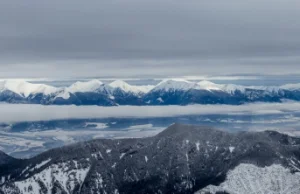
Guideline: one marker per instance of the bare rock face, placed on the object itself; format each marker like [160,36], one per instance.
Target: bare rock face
[181,159]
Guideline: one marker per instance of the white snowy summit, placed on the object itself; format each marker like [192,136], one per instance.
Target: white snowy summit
[291,86]
[184,85]
[174,84]
[26,89]
[89,86]
[207,85]
[120,84]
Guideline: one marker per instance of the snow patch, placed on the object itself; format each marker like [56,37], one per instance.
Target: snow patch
[60,173]
[98,125]
[146,126]
[231,149]
[160,100]
[63,94]
[198,146]
[122,155]
[40,165]
[108,151]
[248,178]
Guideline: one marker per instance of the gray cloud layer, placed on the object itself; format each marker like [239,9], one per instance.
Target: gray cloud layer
[98,38]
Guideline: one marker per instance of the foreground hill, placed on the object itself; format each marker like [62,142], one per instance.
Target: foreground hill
[181,159]
[167,92]
[4,158]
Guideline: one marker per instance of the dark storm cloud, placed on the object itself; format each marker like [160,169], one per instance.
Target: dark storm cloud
[97,38]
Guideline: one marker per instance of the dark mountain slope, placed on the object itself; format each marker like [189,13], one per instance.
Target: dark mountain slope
[181,159]
[4,158]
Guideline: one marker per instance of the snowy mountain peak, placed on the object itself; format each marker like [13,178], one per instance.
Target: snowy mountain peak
[121,85]
[129,88]
[207,85]
[291,86]
[89,86]
[174,84]
[167,92]
[231,88]
[26,89]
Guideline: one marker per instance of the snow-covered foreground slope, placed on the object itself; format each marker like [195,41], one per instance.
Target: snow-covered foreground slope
[248,178]
[56,178]
[180,159]
[167,92]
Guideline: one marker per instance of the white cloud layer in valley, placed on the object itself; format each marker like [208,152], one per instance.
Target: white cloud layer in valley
[28,112]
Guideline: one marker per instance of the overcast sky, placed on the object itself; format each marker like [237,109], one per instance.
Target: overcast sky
[135,38]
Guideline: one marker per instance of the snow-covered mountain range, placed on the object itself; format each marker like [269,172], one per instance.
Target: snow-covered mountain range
[180,159]
[167,92]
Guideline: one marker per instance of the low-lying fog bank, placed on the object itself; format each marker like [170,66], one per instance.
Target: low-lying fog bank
[31,112]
